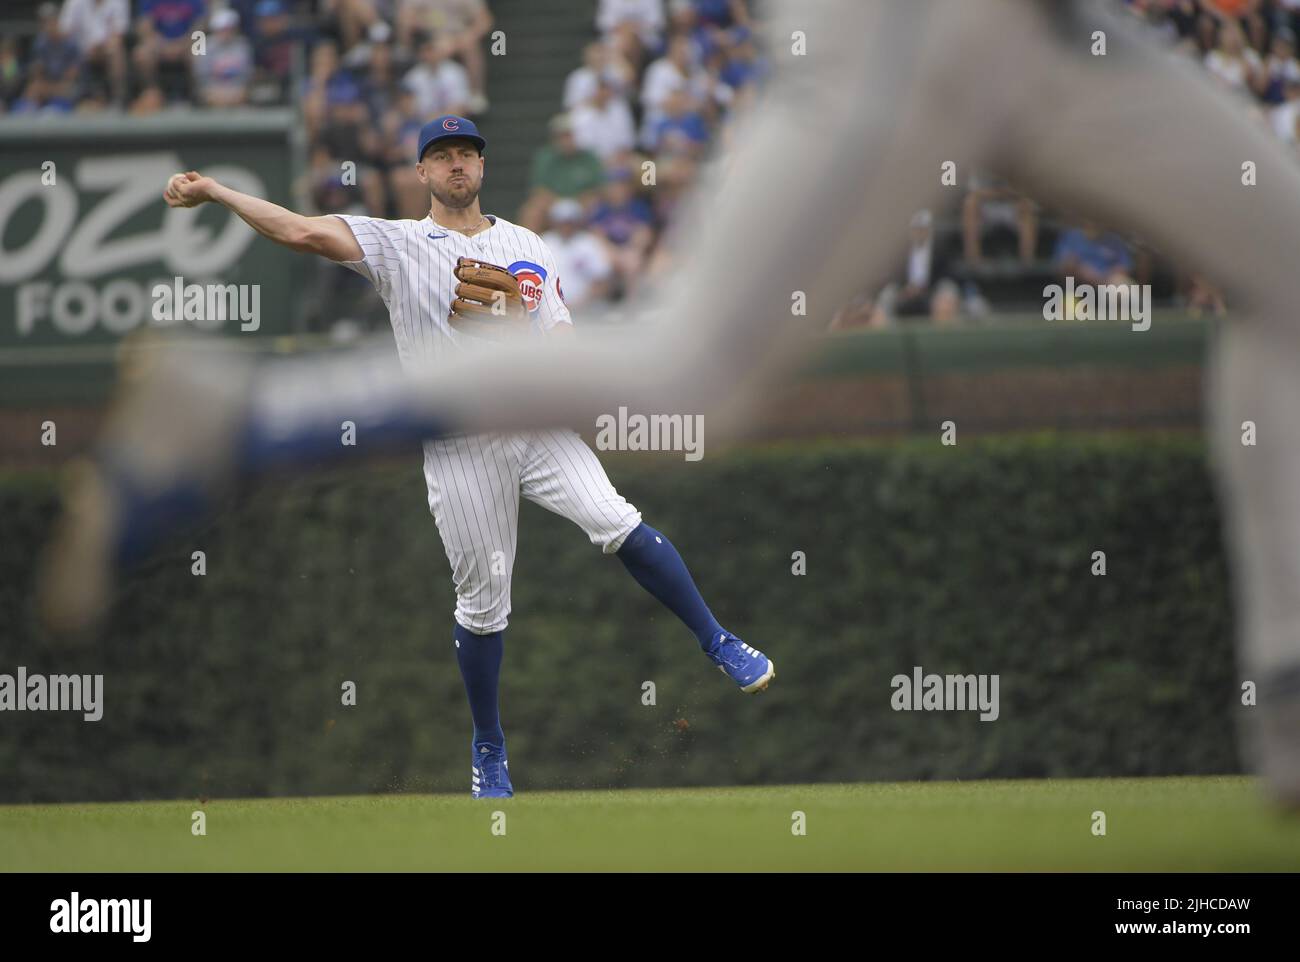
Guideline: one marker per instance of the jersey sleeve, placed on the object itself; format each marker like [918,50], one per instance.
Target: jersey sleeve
[552,310]
[379,255]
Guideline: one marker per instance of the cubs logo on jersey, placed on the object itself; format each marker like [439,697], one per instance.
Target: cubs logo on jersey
[531,278]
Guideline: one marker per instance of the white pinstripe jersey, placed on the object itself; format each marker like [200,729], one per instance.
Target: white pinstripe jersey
[475,481]
[410,262]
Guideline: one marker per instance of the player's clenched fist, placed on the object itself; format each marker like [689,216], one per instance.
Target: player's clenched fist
[188,190]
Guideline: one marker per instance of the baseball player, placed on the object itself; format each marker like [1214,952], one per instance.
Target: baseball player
[447,281]
[855,133]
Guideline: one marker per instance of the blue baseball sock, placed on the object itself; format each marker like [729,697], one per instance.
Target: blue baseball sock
[658,568]
[479,657]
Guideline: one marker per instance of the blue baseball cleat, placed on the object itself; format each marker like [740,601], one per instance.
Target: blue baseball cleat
[490,773]
[748,667]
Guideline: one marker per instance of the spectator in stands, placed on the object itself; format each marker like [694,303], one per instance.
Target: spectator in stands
[604,124]
[675,72]
[560,169]
[339,300]
[712,25]
[580,85]
[53,69]
[722,14]
[1278,79]
[350,142]
[325,72]
[633,27]
[11,72]
[681,128]
[1257,33]
[675,173]
[401,126]
[743,67]
[163,41]
[581,261]
[441,84]
[464,26]
[990,204]
[330,191]
[247,10]
[626,223]
[225,71]
[598,60]
[925,288]
[1232,61]
[380,85]
[355,17]
[684,22]
[378,34]
[98,27]
[273,47]
[1203,38]
[1093,257]
[1277,83]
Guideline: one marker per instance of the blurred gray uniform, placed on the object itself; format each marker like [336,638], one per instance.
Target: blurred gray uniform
[474,480]
[853,142]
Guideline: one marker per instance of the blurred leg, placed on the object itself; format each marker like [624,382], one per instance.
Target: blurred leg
[1254,385]
[1147,139]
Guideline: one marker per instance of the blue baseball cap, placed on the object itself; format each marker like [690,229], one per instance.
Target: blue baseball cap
[445,128]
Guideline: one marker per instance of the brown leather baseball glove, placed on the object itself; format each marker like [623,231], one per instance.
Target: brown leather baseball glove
[488,303]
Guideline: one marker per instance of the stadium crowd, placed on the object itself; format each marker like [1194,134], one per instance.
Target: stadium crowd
[654,93]
[1000,246]
[654,90]
[141,55]
[652,97]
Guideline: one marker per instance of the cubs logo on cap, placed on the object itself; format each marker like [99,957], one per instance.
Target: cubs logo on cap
[446,127]
[531,278]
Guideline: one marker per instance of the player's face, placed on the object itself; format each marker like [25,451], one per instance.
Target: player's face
[453,172]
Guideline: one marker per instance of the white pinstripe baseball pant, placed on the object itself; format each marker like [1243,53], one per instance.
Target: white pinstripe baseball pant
[474,486]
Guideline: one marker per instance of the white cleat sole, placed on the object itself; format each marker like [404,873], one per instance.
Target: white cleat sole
[761,684]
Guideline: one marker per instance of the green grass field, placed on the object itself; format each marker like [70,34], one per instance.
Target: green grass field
[1154,824]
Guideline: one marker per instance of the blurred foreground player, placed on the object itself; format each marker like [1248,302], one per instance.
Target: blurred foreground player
[854,134]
